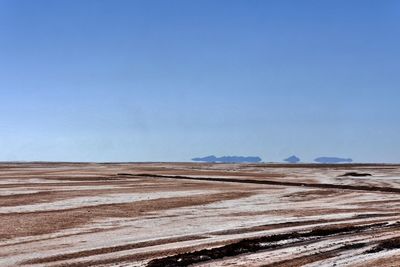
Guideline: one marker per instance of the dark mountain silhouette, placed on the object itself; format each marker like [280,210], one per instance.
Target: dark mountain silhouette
[292,159]
[332,160]
[229,159]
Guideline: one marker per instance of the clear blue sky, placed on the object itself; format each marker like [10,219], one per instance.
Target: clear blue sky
[171,80]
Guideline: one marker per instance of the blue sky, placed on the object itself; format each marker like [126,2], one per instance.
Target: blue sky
[171,80]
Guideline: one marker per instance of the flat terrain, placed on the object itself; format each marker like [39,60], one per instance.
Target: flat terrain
[179,214]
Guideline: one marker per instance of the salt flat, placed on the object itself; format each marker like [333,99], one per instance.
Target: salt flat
[179,214]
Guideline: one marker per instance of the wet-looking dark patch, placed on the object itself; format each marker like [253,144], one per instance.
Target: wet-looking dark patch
[388,244]
[355,174]
[259,243]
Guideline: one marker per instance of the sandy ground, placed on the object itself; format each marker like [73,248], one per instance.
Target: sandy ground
[180,214]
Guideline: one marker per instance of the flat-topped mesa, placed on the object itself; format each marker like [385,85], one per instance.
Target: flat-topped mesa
[229,159]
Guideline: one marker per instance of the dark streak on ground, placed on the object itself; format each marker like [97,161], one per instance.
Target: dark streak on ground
[269,182]
[355,174]
[302,260]
[261,243]
[388,244]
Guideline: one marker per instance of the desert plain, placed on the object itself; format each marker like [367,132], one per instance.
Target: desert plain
[198,214]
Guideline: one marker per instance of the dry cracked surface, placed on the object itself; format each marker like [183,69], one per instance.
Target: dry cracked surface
[191,214]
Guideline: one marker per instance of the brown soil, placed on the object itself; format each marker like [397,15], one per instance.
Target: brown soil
[36,223]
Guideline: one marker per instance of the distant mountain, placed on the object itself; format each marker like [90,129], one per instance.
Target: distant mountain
[292,159]
[332,160]
[229,159]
